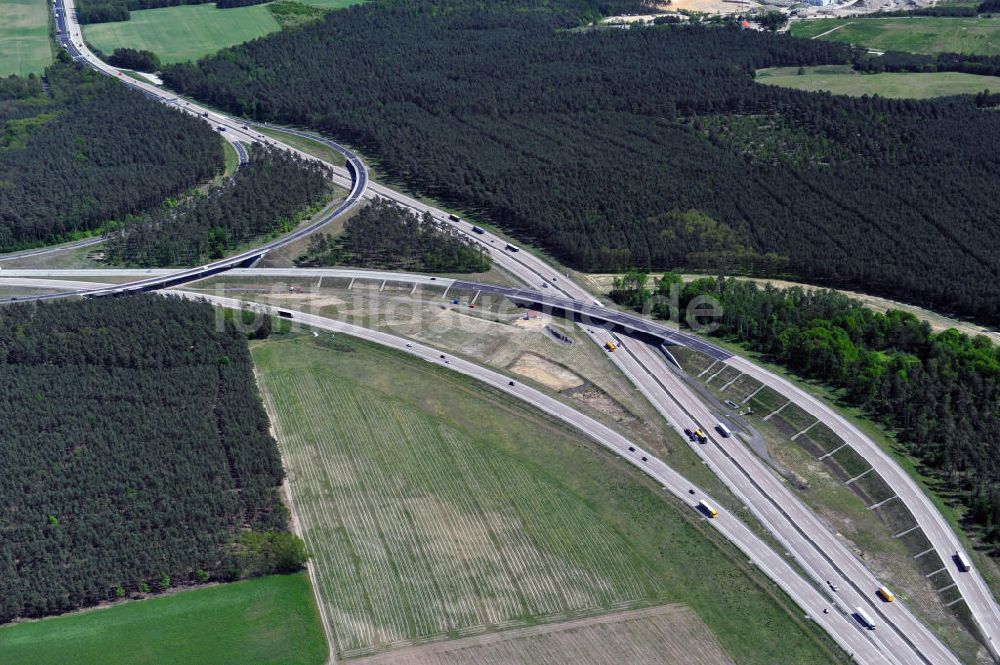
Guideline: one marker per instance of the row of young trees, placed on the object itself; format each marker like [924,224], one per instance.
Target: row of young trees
[582,141]
[268,195]
[130,58]
[939,392]
[901,61]
[91,152]
[136,454]
[109,11]
[227,4]
[386,236]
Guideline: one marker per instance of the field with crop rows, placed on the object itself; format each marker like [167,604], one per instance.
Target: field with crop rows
[431,533]
[435,509]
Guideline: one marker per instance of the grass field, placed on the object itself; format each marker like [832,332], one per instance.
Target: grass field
[185,32]
[24,37]
[842,80]
[265,621]
[435,509]
[189,32]
[919,34]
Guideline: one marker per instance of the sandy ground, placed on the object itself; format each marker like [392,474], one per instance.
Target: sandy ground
[546,372]
[710,6]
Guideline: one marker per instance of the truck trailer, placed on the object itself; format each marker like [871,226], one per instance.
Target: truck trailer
[963,562]
[863,617]
[707,509]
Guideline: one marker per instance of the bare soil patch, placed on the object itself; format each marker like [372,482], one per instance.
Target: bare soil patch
[668,635]
[546,372]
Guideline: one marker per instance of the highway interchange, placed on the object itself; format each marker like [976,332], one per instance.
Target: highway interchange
[900,637]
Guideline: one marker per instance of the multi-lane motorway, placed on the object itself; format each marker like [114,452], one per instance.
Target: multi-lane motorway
[814,546]
[901,638]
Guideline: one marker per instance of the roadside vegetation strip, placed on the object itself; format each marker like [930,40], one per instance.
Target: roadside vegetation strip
[659,540]
[842,80]
[919,34]
[184,32]
[306,145]
[24,37]
[264,621]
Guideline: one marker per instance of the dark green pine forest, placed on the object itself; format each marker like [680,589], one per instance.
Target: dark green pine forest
[386,236]
[598,144]
[136,452]
[83,150]
[268,195]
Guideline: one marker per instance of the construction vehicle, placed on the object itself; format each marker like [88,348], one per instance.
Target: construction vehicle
[863,617]
[885,594]
[610,346]
[963,562]
[707,509]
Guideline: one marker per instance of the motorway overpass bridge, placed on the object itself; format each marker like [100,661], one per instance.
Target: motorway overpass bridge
[597,315]
[582,312]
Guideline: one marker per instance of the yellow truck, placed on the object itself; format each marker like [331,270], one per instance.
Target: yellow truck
[885,594]
[610,346]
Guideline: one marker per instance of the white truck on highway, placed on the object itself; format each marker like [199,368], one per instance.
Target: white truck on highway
[723,430]
[963,562]
[863,617]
